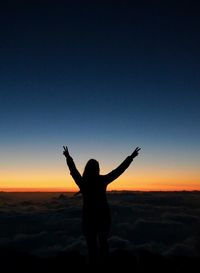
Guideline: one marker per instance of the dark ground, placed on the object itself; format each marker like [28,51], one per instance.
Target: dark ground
[18,262]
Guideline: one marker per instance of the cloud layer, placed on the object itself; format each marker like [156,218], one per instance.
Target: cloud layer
[44,224]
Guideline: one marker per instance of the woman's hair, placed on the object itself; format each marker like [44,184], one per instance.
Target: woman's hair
[91,168]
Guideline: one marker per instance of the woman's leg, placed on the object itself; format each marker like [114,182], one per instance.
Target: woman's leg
[91,239]
[103,246]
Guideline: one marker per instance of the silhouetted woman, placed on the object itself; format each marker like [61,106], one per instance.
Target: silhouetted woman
[96,219]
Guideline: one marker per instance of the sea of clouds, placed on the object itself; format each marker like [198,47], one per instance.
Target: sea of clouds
[166,223]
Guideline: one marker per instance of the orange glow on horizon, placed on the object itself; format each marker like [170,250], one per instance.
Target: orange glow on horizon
[115,186]
[37,190]
[154,189]
[135,179]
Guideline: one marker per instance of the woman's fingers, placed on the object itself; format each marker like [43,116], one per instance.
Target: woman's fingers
[137,149]
[65,148]
[135,152]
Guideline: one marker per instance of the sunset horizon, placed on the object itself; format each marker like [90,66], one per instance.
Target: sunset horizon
[74,189]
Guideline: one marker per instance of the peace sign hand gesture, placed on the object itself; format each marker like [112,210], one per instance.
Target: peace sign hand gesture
[65,152]
[135,152]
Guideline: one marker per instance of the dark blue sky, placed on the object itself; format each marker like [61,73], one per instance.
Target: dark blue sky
[98,75]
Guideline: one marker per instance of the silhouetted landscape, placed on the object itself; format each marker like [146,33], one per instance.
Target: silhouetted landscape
[151,231]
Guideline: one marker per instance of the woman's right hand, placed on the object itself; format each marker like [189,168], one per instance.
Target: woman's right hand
[135,152]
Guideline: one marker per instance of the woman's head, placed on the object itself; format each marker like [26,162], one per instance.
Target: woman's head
[91,168]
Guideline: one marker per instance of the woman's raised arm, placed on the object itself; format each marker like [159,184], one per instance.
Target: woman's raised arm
[72,167]
[114,174]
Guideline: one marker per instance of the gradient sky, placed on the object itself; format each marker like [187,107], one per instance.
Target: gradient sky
[101,78]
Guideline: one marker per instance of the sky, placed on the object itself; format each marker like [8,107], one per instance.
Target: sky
[101,78]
